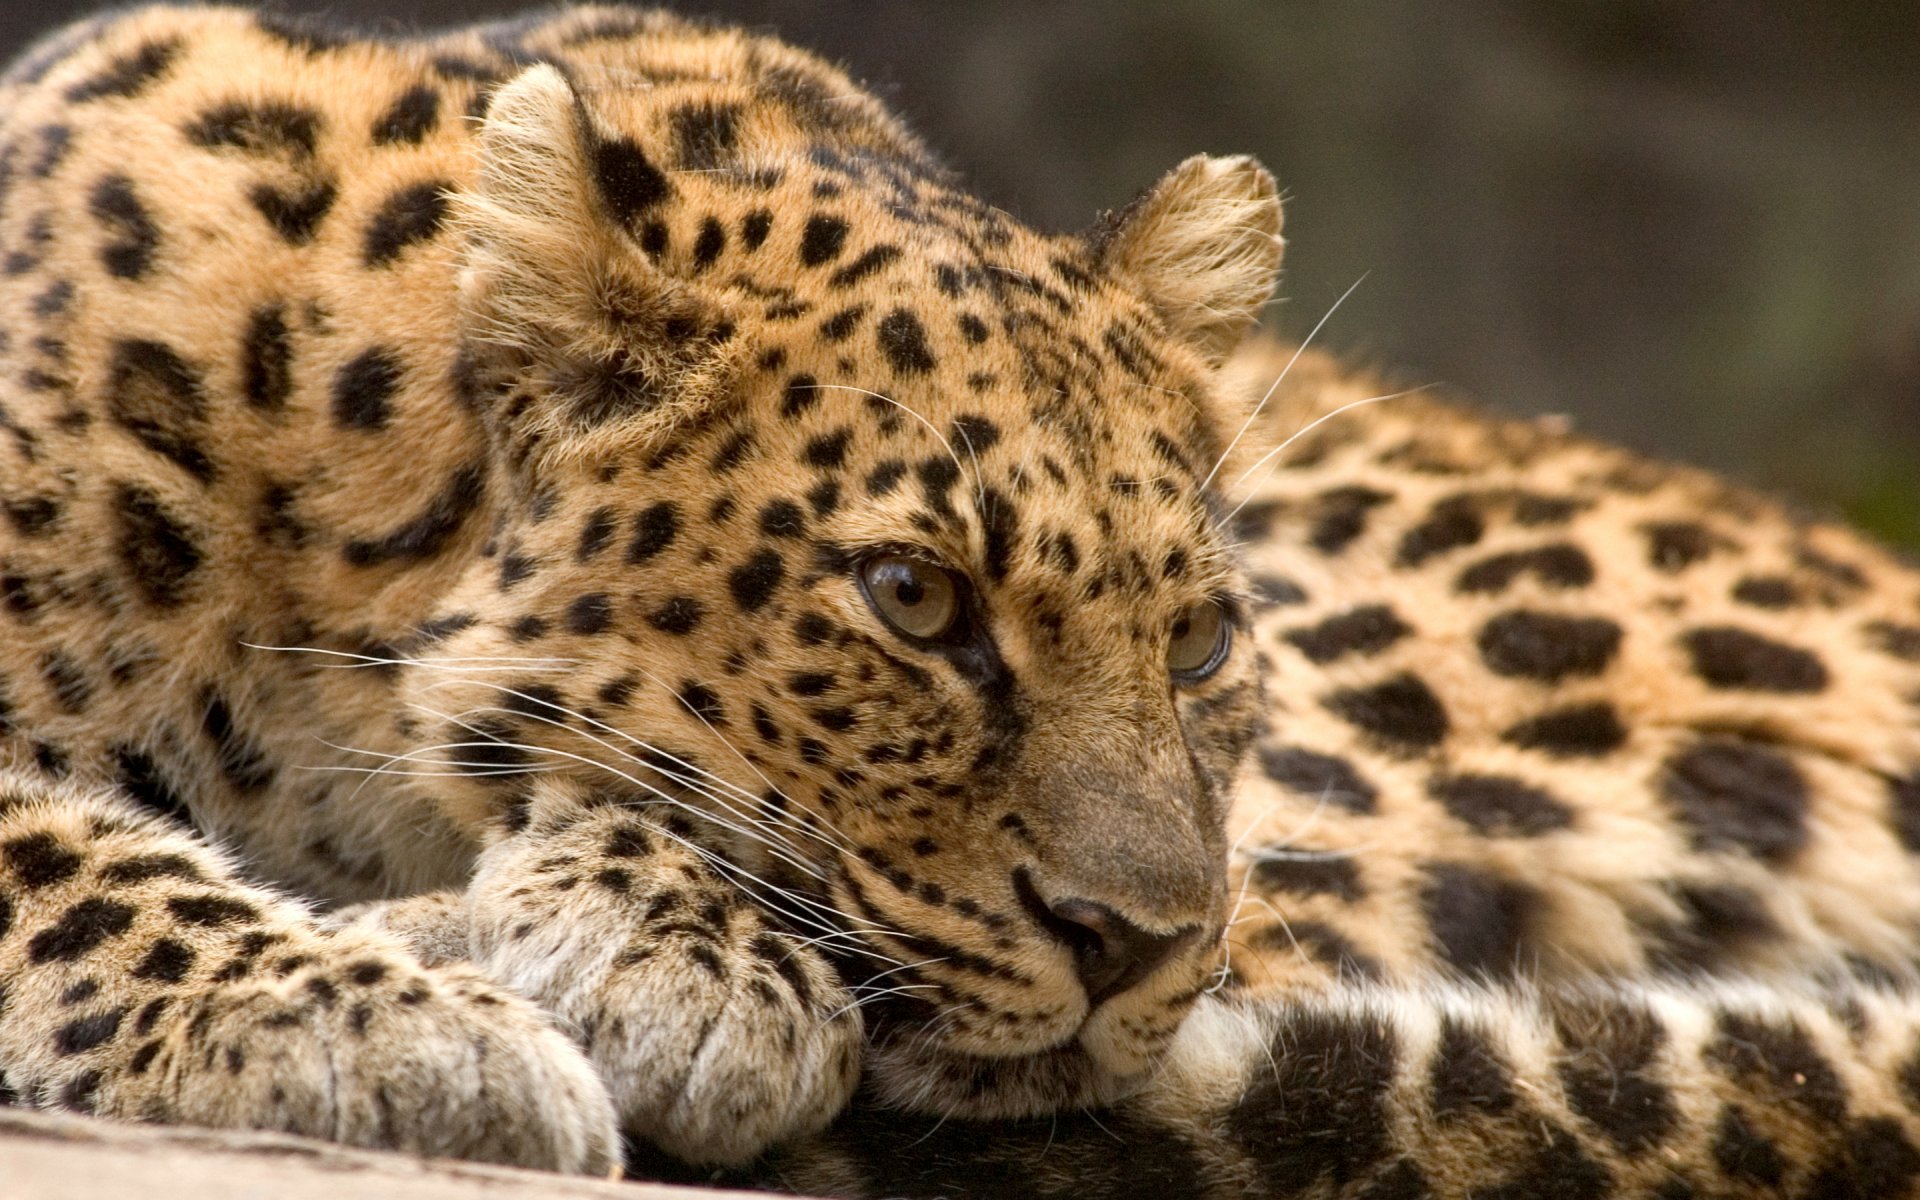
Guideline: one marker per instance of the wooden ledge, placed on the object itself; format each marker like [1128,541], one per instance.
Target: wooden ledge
[59,1156]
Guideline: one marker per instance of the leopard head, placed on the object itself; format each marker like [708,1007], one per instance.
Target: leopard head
[878,543]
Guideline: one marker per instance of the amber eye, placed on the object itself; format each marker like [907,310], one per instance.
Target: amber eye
[917,598]
[1201,636]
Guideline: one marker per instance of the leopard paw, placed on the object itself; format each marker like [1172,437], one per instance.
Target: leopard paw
[368,1049]
[716,1034]
[144,979]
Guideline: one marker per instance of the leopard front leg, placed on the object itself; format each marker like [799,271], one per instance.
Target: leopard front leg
[141,978]
[717,1033]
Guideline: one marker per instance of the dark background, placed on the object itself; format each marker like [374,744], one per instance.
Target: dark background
[1694,226]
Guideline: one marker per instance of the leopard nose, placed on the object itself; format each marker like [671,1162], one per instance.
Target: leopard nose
[1110,953]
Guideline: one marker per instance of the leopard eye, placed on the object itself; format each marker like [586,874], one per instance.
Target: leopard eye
[917,598]
[1199,644]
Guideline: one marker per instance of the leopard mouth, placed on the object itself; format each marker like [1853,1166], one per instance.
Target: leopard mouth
[907,1073]
[1060,1004]
[1021,1064]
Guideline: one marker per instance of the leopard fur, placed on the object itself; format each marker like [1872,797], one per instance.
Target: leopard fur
[444,703]
[1532,920]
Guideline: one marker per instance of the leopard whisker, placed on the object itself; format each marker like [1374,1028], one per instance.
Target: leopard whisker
[778,849]
[359,661]
[1263,902]
[905,966]
[650,748]
[422,753]
[1266,459]
[1281,378]
[941,1122]
[480,769]
[804,941]
[1241,1015]
[1246,881]
[979,485]
[1226,967]
[390,769]
[1275,850]
[715,861]
[875,995]
[755,816]
[1285,927]
[1088,1112]
[737,753]
[1279,854]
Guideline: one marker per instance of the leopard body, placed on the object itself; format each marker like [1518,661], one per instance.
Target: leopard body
[448,703]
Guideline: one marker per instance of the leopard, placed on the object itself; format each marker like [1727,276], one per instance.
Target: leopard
[1574,856]
[573,599]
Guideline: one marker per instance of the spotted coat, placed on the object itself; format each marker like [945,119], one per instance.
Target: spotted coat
[1575,857]
[469,512]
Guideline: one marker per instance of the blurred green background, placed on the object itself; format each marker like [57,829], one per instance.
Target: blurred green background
[1694,227]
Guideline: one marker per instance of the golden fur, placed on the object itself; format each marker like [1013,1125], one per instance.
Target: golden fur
[448,475]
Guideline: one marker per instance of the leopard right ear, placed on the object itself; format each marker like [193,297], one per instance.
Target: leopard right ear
[584,343]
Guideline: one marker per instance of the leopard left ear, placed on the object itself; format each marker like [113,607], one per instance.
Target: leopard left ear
[1204,245]
[582,342]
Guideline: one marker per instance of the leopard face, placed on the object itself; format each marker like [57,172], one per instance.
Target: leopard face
[875,534]
[667,430]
